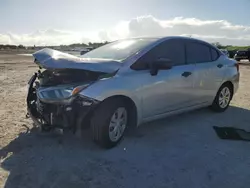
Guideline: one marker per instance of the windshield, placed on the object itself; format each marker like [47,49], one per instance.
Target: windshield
[119,50]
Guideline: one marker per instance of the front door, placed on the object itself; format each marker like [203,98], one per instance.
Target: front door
[170,89]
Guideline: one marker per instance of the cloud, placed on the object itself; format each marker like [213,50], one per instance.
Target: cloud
[4,39]
[41,37]
[210,30]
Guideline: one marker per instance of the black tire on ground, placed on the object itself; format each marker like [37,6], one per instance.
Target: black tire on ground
[237,59]
[215,106]
[101,119]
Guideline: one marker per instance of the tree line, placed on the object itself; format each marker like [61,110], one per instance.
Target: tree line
[98,44]
[75,45]
[9,46]
[230,47]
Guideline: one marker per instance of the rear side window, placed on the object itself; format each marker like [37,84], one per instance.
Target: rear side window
[214,54]
[197,53]
[173,49]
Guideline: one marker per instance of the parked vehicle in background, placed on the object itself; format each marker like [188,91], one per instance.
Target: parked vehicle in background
[242,54]
[232,53]
[224,51]
[128,82]
[85,50]
[82,52]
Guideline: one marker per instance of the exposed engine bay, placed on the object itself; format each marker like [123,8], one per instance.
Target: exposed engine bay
[66,76]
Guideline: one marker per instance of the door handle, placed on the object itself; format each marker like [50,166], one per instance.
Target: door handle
[219,65]
[186,74]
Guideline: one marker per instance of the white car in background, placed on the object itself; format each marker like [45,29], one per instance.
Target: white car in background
[224,51]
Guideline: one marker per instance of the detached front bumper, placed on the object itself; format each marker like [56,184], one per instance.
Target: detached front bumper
[47,116]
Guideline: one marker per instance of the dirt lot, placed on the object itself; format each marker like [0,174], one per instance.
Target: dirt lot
[180,151]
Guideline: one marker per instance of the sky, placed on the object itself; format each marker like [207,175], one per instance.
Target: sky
[55,22]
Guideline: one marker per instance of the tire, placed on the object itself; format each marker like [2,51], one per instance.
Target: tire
[237,59]
[217,105]
[101,123]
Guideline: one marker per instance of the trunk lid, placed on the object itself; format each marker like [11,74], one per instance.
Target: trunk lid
[53,59]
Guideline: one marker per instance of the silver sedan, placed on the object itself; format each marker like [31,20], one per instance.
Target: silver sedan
[128,82]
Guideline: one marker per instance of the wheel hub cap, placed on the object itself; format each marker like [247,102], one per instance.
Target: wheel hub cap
[117,124]
[224,97]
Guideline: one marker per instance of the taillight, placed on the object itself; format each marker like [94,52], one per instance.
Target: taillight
[237,66]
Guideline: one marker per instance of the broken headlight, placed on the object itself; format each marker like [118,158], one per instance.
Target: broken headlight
[59,93]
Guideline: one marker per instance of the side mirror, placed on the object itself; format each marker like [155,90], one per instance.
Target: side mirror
[160,64]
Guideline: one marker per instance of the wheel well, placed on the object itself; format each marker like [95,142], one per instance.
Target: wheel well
[231,86]
[132,109]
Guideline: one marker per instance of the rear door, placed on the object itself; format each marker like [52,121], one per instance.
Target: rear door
[208,73]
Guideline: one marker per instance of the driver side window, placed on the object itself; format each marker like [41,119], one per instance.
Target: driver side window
[173,49]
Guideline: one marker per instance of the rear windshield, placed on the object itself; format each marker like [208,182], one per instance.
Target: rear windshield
[119,50]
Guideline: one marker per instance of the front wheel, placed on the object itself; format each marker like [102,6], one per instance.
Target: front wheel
[109,122]
[223,98]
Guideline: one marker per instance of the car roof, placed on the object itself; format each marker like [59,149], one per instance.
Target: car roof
[165,37]
[157,38]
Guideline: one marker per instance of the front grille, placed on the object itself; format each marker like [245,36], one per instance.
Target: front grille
[53,114]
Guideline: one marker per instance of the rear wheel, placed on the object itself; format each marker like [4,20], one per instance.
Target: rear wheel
[109,122]
[223,98]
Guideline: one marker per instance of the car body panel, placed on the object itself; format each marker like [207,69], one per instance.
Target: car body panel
[231,74]
[208,78]
[167,91]
[110,87]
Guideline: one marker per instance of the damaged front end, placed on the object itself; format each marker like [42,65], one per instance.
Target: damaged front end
[53,99]
[57,106]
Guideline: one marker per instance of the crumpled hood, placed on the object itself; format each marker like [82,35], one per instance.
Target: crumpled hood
[53,59]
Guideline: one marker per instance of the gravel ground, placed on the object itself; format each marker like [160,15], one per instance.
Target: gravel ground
[180,151]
